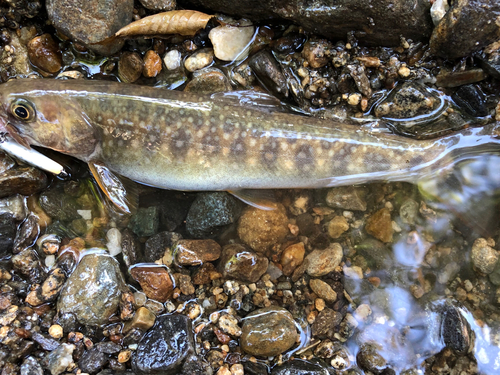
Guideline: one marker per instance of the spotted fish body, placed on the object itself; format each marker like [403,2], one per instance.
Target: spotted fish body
[178,140]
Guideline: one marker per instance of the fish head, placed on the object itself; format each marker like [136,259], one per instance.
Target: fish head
[34,114]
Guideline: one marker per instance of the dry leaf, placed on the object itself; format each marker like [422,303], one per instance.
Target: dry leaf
[183,22]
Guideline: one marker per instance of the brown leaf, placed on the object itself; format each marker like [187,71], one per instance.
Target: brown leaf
[183,22]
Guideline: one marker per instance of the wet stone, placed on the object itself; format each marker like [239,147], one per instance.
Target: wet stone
[90,22]
[31,366]
[152,64]
[369,359]
[93,291]
[46,343]
[292,42]
[205,274]
[472,100]
[269,73]
[261,230]
[143,319]
[93,360]
[145,222]
[347,198]
[159,4]
[157,245]
[130,247]
[208,81]
[155,281]
[326,323]
[240,263]
[7,233]
[196,252]
[459,78]
[27,233]
[199,60]
[59,205]
[337,226]
[490,63]
[231,40]
[379,225]
[27,263]
[44,53]
[323,290]
[268,332]
[60,359]
[409,211]
[300,367]
[130,66]
[317,52]
[49,289]
[484,257]
[210,213]
[165,347]
[455,330]
[292,257]
[22,180]
[321,262]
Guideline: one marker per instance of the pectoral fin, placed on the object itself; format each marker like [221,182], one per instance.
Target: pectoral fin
[121,191]
[261,199]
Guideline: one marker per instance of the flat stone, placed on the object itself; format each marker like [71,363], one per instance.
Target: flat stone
[268,332]
[155,281]
[22,180]
[321,262]
[208,81]
[269,73]
[347,198]
[323,290]
[196,252]
[240,263]
[379,225]
[326,323]
[159,4]
[93,291]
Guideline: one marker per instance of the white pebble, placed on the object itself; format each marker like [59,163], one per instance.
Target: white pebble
[85,214]
[114,244]
[232,42]
[438,10]
[172,59]
[50,260]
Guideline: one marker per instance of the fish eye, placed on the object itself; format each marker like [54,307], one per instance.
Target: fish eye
[22,110]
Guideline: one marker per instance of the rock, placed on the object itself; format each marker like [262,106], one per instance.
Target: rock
[261,230]
[323,290]
[199,60]
[49,290]
[183,282]
[31,366]
[130,66]
[155,281]
[409,211]
[159,244]
[158,4]
[459,78]
[291,42]
[471,99]
[300,367]
[484,257]
[27,263]
[292,257]
[59,205]
[114,237]
[321,262]
[196,252]
[238,262]
[231,41]
[152,64]
[369,359]
[27,233]
[165,347]
[337,226]
[358,74]
[130,247]
[90,22]
[269,73]
[93,291]
[22,180]
[229,324]
[172,59]
[60,359]
[379,225]
[379,23]
[206,274]
[438,10]
[7,233]
[490,63]
[268,332]
[326,323]
[44,53]
[143,319]
[146,221]
[208,81]
[196,365]
[210,213]
[93,360]
[467,27]
[347,198]
[455,330]
[317,52]
[14,61]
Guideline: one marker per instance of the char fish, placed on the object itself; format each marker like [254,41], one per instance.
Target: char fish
[184,141]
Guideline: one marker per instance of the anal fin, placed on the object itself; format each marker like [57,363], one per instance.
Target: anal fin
[261,199]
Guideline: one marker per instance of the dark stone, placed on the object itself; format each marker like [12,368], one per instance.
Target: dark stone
[22,180]
[455,330]
[146,221]
[467,27]
[27,234]
[7,233]
[108,347]
[158,244]
[290,43]
[165,347]
[90,22]
[59,205]
[208,81]
[196,365]
[375,23]
[490,64]
[252,368]
[472,100]
[173,211]
[300,367]
[210,213]
[369,359]
[67,321]
[325,323]
[130,248]
[93,360]
[31,366]
[269,73]
[46,343]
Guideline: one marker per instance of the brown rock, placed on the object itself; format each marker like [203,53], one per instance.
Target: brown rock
[317,52]
[44,53]
[183,282]
[196,252]
[323,290]
[155,282]
[242,264]
[143,319]
[347,198]
[205,274]
[325,323]
[208,81]
[152,64]
[130,66]
[261,229]
[321,262]
[337,226]
[22,180]
[159,4]
[127,306]
[292,257]
[379,225]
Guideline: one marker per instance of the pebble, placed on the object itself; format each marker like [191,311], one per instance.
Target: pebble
[58,205]
[347,198]
[337,226]
[208,81]
[326,323]
[438,10]
[369,359]
[409,211]
[146,221]
[159,4]
[261,229]
[173,334]
[232,42]
[268,332]
[379,225]
[8,230]
[143,319]
[205,274]
[22,180]
[459,78]
[292,257]
[472,100]
[114,238]
[240,263]
[269,73]
[92,361]
[321,262]
[56,331]
[152,64]
[87,22]
[130,66]
[155,281]
[484,257]
[317,52]
[196,252]
[229,324]
[31,366]
[323,290]
[199,60]
[60,359]
[160,246]
[300,367]
[44,53]
[93,291]
[172,59]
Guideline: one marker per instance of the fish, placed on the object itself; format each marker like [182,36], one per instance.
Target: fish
[231,141]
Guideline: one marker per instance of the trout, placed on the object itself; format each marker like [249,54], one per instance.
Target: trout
[184,141]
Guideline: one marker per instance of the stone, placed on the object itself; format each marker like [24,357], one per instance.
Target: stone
[196,252]
[455,330]
[31,366]
[159,4]
[321,262]
[59,205]
[155,281]
[240,263]
[7,233]
[199,60]
[22,180]
[165,347]
[49,289]
[152,64]
[471,99]
[93,360]
[292,257]
[337,226]
[261,230]
[467,27]
[268,332]
[130,66]
[90,22]
[46,343]
[44,53]
[172,59]
[269,73]
[60,359]
[206,274]
[130,247]
[347,198]
[317,52]
[146,221]
[447,78]
[93,291]
[231,41]
[323,290]
[143,319]
[326,323]
[300,367]
[208,81]
[159,244]
[484,257]
[409,211]
[379,225]
[210,213]
[15,206]
[369,359]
